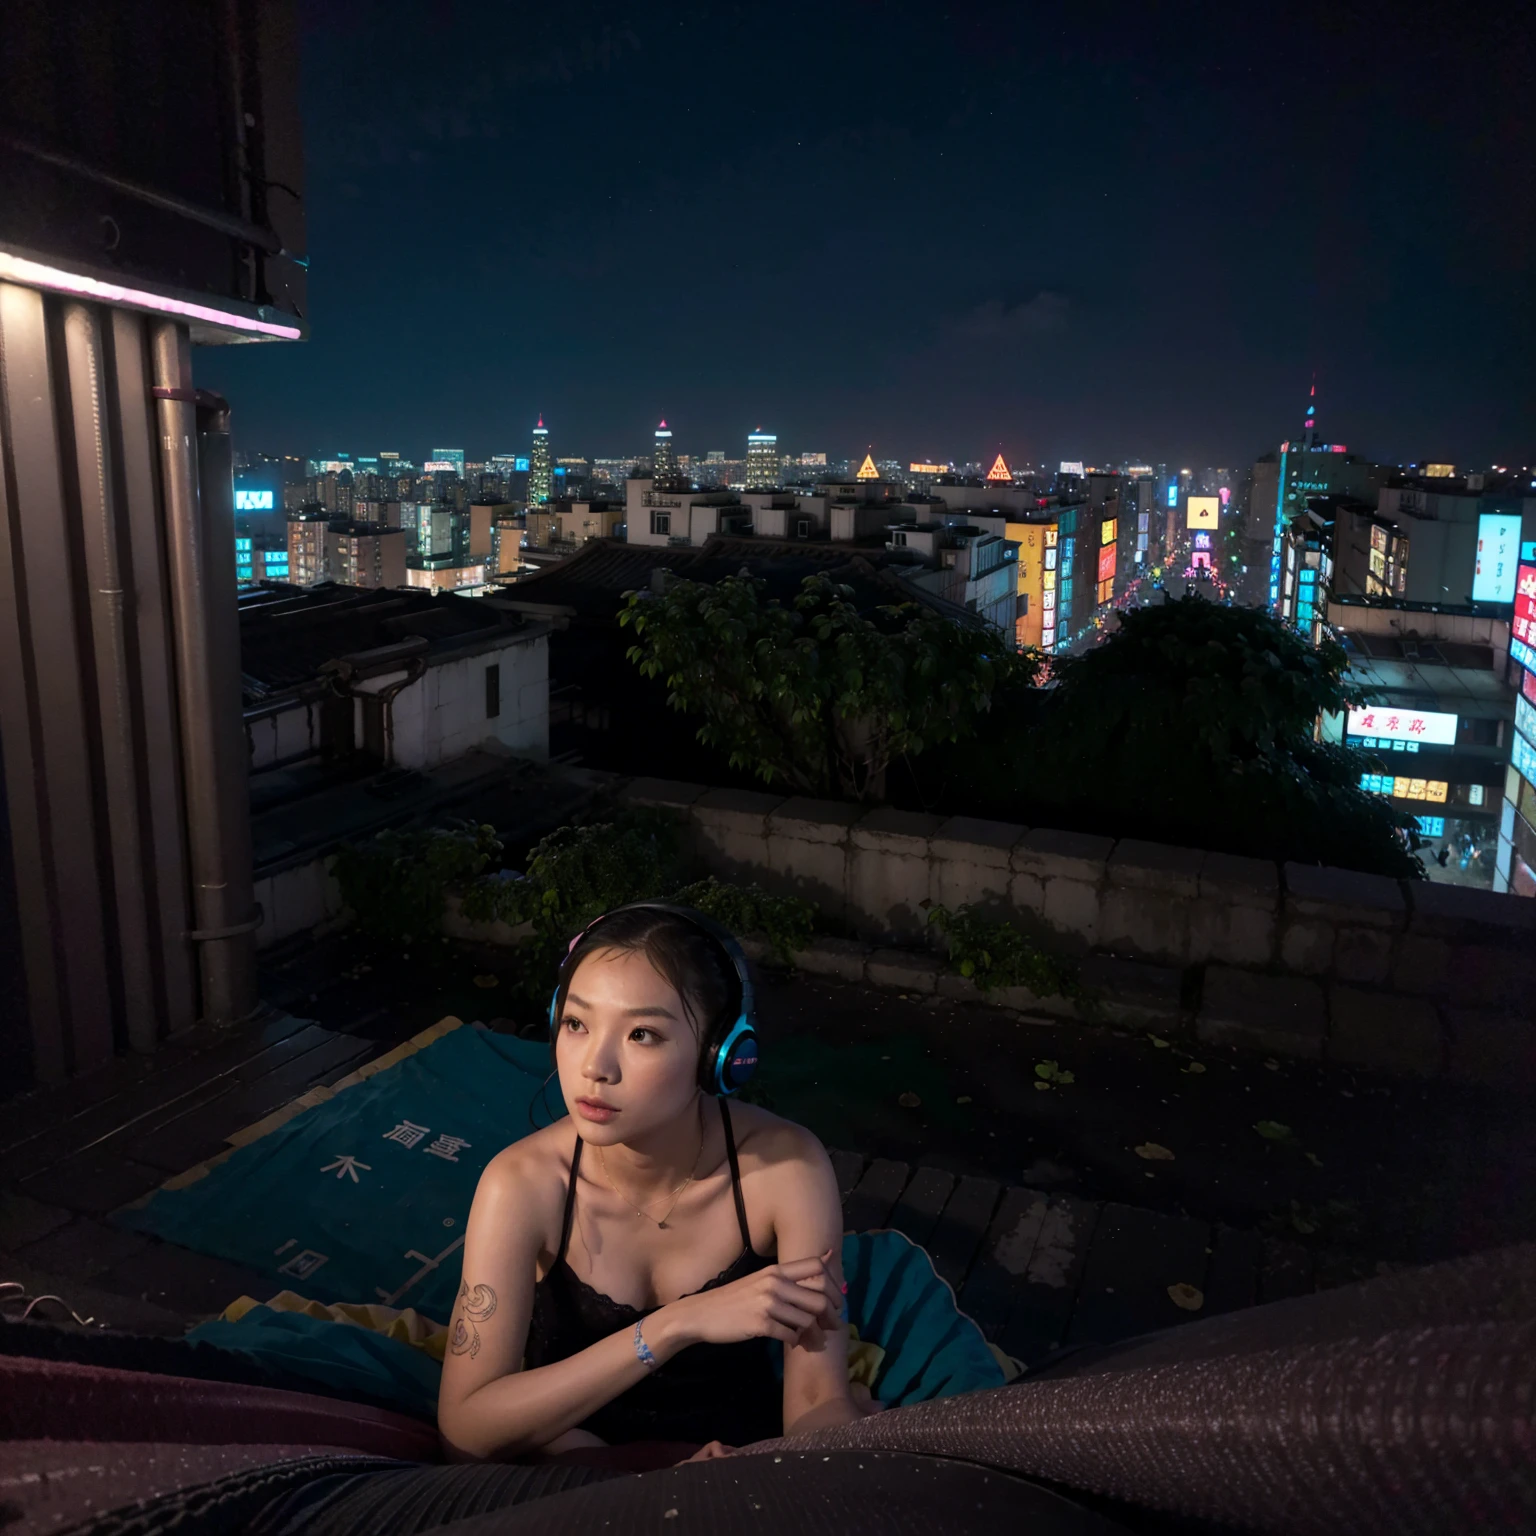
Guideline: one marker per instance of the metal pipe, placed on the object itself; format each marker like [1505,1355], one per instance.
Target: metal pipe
[206,630]
[166,875]
[89,396]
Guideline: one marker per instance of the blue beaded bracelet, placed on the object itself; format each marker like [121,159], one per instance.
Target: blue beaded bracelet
[643,1351]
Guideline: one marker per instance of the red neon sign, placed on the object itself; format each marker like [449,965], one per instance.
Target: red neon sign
[1523,624]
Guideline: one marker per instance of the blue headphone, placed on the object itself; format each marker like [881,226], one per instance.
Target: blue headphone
[725,1066]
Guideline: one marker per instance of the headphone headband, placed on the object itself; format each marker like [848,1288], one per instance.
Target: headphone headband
[726,1065]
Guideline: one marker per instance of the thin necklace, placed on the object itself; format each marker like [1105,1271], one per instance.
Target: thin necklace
[677,1194]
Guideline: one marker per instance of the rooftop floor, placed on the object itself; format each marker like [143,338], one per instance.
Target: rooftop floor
[1041,1206]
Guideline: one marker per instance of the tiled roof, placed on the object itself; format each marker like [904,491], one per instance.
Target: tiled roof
[288,633]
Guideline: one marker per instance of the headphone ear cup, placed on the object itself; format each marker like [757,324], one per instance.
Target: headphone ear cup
[730,1067]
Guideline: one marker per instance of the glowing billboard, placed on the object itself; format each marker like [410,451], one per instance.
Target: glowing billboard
[1109,530]
[928,469]
[1204,511]
[1071,466]
[1523,756]
[440,467]
[1423,727]
[1522,622]
[1498,547]
[254,501]
[1106,562]
[1173,495]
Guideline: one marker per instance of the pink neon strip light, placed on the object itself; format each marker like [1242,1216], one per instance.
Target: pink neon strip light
[18,269]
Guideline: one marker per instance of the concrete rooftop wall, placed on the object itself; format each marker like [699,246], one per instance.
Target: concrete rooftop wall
[1306,960]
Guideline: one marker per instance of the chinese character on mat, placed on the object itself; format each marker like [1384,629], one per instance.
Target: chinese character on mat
[407,1133]
[347,1165]
[445,1147]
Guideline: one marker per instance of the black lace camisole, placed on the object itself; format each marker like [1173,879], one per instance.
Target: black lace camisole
[728,1392]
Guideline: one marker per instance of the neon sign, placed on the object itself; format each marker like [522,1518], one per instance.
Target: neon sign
[1493,576]
[1423,727]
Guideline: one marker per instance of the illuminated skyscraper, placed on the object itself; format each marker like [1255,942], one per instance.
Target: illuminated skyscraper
[541,477]
[762,460]
[665,471]
[1278,493]
[454,456]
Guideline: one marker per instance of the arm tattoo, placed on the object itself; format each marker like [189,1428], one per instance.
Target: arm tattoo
[475,1306]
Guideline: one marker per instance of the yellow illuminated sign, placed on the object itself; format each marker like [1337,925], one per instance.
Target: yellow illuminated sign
[1439,471]
[928,469]
[1204,511]
[1420,789]
[1108,530]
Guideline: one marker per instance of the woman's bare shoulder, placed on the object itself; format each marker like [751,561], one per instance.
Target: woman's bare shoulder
[531,1172]
[767,1140]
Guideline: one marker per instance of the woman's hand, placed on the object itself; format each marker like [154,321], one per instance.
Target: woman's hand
[780,1302]
[714,1451]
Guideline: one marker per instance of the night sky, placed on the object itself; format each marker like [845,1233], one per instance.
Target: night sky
[1066,231]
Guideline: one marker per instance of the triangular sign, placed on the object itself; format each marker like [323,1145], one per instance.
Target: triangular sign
[1000,471]
[867,470]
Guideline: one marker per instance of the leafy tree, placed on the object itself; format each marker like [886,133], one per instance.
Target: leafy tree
[1194,722]
[813,693]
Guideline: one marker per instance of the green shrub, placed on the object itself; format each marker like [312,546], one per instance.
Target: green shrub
[397,883]
[995,954]
[1190,723]
[579,872]
[786,920]
[815,694]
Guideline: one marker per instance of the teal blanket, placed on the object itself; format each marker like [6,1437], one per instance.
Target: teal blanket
[364,1197]
[894,1299]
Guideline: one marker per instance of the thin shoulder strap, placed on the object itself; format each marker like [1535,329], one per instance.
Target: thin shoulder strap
[730,1152]
[570,1201]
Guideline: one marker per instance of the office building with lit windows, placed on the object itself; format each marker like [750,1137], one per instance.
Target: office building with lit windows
[1440,720]
[666,472]
[541,467]
[306,544]
[365,554]
[762,460]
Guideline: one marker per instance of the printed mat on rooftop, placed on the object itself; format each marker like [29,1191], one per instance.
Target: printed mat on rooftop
[359,1194]
[912,1343]
[362,1194]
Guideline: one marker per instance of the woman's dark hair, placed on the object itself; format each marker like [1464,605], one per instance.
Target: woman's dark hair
[684,955]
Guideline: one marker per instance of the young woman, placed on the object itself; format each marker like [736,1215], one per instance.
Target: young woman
[624,1268]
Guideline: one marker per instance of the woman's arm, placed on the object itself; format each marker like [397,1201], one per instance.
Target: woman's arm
[488,1406]
[808,1218]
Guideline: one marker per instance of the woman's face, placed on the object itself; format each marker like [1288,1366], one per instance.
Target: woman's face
[626,1050]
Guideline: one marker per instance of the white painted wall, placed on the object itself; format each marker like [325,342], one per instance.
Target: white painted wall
[439,717]
[288,735]
[442,715]
[296,901]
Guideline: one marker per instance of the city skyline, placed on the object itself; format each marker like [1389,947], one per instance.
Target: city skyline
[1104,231]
